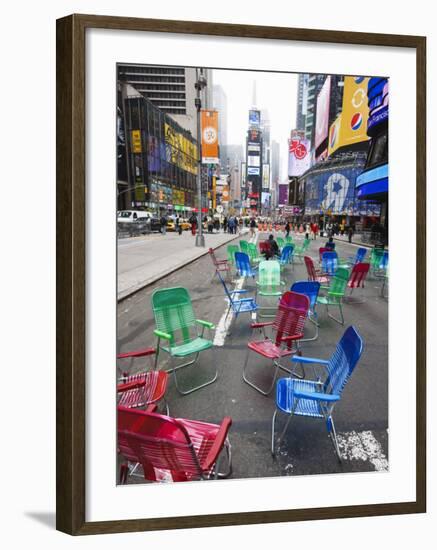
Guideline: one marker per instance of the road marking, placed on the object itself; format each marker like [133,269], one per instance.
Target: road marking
[225,322]
[362,446]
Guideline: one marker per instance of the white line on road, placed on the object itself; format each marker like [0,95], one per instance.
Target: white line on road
[362,446]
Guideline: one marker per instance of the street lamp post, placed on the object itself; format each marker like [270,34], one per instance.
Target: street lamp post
[199,85]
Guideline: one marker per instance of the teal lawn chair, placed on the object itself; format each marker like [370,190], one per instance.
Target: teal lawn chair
[281,242]
[289,240]
[269,284]
[231,249]
[177,330]
[254,256]
[335,293]
[244,247]
[300,250]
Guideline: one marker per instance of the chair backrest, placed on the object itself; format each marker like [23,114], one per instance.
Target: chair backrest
[158,442]
[360,255]
[311,270]
[264,246]
[286,253]
[338,284]
[384,261]
[329,263]
[243,266]
[358,275]
[174,313]
[290,316]
[309,288]
[244,246]
[213,256]
[269,273]
[225,287]
[232,249]
[343,360]
[306,244]
[252,251]
[376,257]
[280,242]
[322,250]
[289,239]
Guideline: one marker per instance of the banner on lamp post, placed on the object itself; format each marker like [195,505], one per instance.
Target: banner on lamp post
[209,132]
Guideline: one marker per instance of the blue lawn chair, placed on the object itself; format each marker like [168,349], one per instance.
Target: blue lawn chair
[353,260]
[310,289]
[243,266]
[317,399]
[329,263]
[286,255]
[238,305]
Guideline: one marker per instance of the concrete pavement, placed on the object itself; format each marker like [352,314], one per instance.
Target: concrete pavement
[146,259]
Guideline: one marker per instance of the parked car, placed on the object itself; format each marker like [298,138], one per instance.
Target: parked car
[184,223]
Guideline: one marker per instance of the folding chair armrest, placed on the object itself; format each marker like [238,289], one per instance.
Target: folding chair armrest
[161,334]
[137,353]
[206,324]
[217,446]
[308,360]
[242,291]
[316,396]
[261,325]
[291,338]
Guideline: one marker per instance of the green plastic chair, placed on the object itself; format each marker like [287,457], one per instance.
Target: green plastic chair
[375,260]
[253,254]
[269,283]
[335,293]
[289,240]
[300,251]
[177,330]
[244,247]
[281,242]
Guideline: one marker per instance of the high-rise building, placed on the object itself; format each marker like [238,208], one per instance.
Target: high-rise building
[171,89]
[315,83]
[302,93]
[220,103]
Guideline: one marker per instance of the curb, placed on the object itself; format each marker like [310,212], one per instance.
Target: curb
[356,243]
[171,270]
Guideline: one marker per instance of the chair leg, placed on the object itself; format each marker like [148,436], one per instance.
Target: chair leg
[314,320]
[186,392]
[333,435]
[278,442]
[339,321]
[275,374]
[223,475]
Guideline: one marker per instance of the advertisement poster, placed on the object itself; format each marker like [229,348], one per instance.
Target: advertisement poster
[299,159]
[322,113]
[283,194]
[210,151]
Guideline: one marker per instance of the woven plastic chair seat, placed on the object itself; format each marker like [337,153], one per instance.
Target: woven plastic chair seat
[285,401]
[245,305]
[145,388]
[268,349]
[187,348]
[202,436]
[328,300]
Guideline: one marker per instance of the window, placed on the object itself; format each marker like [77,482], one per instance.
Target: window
[379,151]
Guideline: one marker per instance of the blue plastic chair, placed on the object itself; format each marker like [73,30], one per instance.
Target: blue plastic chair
[243,267]
[238,305]
[310,289]
[353,260]
[316,399]
[286,255]
[329,263]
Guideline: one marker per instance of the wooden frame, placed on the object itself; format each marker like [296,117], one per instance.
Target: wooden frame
[70,173]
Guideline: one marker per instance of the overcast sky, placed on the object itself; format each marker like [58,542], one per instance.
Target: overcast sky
[276,92]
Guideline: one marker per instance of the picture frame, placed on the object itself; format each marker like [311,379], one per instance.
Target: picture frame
[71,408]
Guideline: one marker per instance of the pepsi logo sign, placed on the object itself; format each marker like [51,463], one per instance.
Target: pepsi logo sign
[356,121]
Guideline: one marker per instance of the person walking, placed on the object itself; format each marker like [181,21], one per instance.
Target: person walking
[193,221]
[178,225]
[163,222]
[315,230]
[350,233]
[287,229]
[225,224]
[252,227]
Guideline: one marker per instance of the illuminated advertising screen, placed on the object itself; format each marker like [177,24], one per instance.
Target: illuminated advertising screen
[283,194]
[322,113]
[254,118]
[299,159]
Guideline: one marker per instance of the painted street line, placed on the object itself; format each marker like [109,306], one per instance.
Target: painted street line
[362,446]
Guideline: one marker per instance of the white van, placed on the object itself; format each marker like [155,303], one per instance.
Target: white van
[131,216]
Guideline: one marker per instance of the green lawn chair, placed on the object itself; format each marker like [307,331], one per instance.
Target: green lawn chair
[300,250]
[244,247]
[375,261]
[289,240]
[281,242]
[253,254]
[231,249]
[269,284]
[334,294]
[177,330]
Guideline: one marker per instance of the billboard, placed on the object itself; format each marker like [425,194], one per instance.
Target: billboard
[265,199]
[283,194]
[299,159]
[252,170]
[254,137]
[253,160]
[322,113]
[333,190]
[254,118]
[266,176]
[351,125]
[377,92]
[209,126]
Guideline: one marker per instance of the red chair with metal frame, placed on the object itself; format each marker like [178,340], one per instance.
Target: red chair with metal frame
[287,329]
[144,388]
[220,265]
[315,274]
[356,280]
[172,449]
[322,250]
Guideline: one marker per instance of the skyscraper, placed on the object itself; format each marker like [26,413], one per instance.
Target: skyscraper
[301,108]
[220,102]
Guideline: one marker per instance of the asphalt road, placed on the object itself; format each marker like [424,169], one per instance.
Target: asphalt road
[361,417]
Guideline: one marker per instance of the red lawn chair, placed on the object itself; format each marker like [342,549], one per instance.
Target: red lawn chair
[172,449]
[287,329]
[356,280]
[220,265]
[313,273]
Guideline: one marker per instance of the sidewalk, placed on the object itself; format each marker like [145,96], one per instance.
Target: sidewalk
[356,240]
[143,260]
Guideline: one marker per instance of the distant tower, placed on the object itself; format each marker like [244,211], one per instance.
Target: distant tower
[254,95]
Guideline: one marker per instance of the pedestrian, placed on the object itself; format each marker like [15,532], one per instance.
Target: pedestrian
[287,229]
[330,244]
[316,230]
[163,222]
[350,233]
[178,225]
[342,228]
[273,248]
[252,227]
[193,221]
[225,224]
